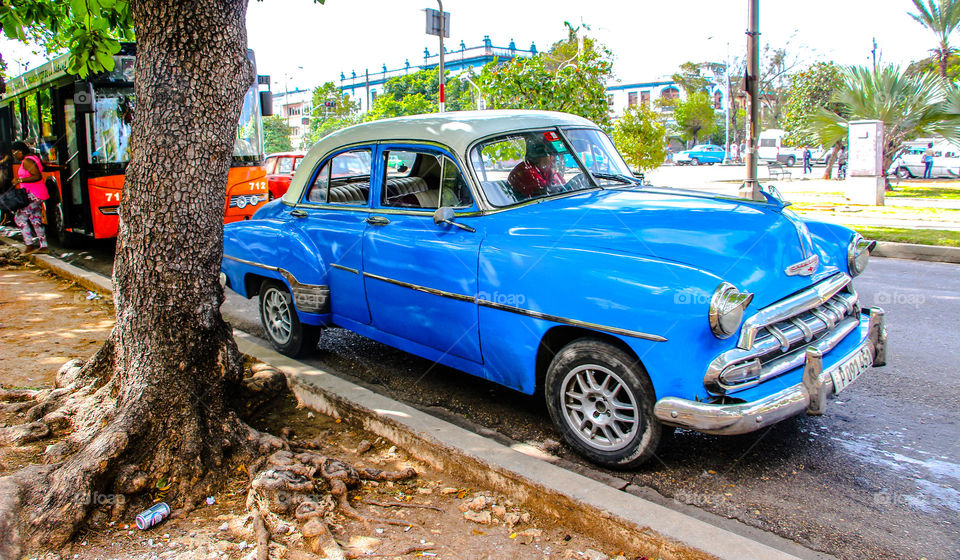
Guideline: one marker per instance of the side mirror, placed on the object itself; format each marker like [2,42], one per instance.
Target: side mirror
[444,215]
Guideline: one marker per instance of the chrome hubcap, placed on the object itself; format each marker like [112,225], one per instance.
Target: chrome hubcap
[600,408]
[276,316]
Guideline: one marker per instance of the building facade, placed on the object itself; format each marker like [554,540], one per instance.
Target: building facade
[364,87]
[294,107]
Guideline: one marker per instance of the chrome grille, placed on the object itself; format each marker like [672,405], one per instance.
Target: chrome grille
[778,335]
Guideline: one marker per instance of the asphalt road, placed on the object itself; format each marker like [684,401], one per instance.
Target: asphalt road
[876,477]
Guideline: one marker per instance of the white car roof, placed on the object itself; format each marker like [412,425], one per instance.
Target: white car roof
[456,130]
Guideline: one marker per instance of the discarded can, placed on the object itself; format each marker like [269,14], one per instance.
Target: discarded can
[152,516]
[211,500]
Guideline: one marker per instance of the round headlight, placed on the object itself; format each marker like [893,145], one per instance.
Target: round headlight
[858,254]
[726,309]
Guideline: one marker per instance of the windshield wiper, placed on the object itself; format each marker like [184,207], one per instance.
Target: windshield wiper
[616,177]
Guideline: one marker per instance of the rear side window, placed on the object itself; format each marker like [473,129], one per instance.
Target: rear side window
[343,179]
[423,180]
[285,165]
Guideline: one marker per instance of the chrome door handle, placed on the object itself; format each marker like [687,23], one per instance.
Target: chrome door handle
[377,221]
[298,213]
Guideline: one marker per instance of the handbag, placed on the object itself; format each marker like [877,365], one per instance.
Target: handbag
[13,200]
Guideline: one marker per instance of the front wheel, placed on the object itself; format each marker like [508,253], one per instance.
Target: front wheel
[694,161]
[601,400]
[280,321]
[57,228]
[903,173]
[791,160]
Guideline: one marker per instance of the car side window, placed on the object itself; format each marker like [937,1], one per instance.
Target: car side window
[270,165]
[423,180]
[284,165]
[343,179]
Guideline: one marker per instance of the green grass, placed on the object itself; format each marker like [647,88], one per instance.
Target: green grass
[944,238]
[945,193]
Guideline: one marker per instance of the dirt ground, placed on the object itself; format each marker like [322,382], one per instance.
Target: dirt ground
[44,321]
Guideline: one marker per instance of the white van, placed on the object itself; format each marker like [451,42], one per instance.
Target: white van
[770,148]
[909,160]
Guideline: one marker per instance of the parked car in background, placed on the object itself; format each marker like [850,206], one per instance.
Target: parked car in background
[908,162]
[700,154]
[280,168]
[631,309]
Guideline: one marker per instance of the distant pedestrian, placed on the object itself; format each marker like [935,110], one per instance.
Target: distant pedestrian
[842,163]
[30,179]
[807,165]
[734,153]
[743,151]
[928,161]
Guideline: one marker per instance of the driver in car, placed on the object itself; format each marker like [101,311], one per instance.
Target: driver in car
[539,172]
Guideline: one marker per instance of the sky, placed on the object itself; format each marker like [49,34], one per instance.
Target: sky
[301,44]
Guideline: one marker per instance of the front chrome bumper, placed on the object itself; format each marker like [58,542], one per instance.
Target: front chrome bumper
[808,396]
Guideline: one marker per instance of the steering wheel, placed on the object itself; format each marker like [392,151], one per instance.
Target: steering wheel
[577,182]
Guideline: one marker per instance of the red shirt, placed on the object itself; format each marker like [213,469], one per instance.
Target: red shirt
[529,180]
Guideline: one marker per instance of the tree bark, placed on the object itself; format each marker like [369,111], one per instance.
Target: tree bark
[154,402]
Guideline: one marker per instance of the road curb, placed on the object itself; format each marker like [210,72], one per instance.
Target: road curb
[581,503]
[916,252]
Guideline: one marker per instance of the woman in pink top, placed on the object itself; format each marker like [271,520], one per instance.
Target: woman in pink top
[30,179]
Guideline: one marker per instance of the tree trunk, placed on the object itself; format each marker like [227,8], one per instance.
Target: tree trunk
[153,404]
[942,59]
[828,171]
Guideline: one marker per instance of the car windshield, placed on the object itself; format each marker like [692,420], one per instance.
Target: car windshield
[522,166]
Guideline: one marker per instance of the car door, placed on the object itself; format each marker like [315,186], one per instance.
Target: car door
[421,277]
[333,216]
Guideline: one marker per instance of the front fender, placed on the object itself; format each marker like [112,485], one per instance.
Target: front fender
[831,241]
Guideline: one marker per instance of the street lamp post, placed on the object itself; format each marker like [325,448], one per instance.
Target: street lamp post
[751,187]
[481,104]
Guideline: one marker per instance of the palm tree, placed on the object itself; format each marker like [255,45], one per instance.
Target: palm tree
[908,106]
[941,17]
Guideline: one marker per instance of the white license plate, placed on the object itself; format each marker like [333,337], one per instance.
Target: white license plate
[844,373]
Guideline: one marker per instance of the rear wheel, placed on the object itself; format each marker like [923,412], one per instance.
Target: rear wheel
[601,400]
[903,173]
[694,161]
[279,318]
[791,160]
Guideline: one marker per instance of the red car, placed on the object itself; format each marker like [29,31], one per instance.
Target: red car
[280,168]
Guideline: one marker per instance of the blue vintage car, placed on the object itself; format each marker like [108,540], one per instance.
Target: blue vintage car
[700,154]
[632,309]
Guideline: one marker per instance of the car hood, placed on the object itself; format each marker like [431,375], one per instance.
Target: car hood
[746,243]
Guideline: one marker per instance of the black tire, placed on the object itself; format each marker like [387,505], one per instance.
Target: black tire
[903,173]
[694,161]
[710,162]
[281,323]
[612,377]
[791,160]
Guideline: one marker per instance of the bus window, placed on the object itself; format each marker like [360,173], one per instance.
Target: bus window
[17,121]
[32,119]
[46,147]
[112,121]
[247,147]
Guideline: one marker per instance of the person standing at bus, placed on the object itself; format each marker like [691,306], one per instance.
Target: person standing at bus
[928,161]
[30,179]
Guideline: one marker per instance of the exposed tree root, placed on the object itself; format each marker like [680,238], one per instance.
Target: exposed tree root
[312,488]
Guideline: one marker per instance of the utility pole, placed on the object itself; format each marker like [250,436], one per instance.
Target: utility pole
[751,187]
[442,97]
[873,52]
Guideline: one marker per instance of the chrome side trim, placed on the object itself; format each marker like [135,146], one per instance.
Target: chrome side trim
[309,298]
[424,289]
[251,263]
[808,396]
[572,322]
[347,268]
[794,305]
[535,314]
